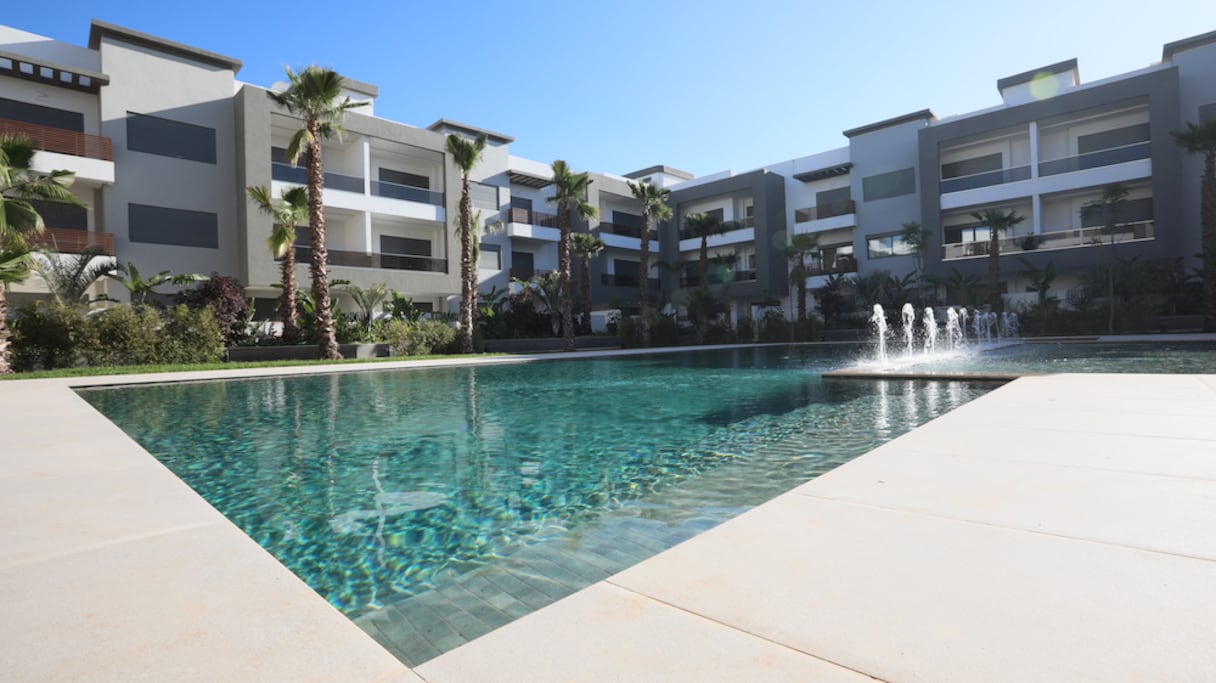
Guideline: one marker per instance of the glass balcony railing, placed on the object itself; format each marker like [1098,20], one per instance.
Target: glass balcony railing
[843,207]
[842,264]
[406,192]
[529,217]
[986,179]
[1046,241]
[622,280]
[358,259]
[528,273]
[716,277]
[1105,157]
[299,175]
[626,230]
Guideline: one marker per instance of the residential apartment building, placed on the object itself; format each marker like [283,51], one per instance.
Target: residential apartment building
[164,138]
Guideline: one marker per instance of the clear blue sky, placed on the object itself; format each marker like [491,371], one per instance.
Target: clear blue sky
[619,85]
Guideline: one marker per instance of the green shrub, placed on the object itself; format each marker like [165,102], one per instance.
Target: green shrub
[122,335]
[804,330]
[746,329]
[775,328]
[629,332]
[47,336]
[664,332]
[189,336]
[422,338]
[226,299]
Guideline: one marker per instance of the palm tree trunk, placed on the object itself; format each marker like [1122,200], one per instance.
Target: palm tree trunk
[5,368]
[1207,222]
[995,300]
[703,273]
[801,289]
[644,280]
[287,303]
[327,342]
[563,274]
[585,295]
[1110,285]
[468,276]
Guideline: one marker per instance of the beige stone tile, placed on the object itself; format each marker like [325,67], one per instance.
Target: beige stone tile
[1066,416]
[605,633]
[200,604]
[908,597]
[47,517]
[1166,514]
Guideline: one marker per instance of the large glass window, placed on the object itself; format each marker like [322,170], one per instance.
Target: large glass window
[891,184]
[882,246]
[179,227]
[154,135]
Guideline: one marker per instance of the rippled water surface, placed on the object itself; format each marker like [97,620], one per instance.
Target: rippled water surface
[382,484]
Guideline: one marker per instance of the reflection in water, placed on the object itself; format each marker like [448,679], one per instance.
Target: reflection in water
[374,484]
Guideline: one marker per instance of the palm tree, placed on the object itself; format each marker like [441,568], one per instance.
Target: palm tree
[800,247]
[69,276]
[19,220]
[313,95]
[291,210]
[724,264]
[1201,139]
[998,222]
[1108,207]
[367,300]
[917,239]
[570,194]
[654,210]
[140,287]
[704,226]
[466,153]
[586,245]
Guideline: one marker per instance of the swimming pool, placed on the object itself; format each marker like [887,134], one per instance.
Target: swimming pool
[384,487]
[1069,356]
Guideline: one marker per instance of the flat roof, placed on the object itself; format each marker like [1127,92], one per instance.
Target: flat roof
[1167,52]
[906,118]
[660,168]
[528,179]
[1026,76]
[96,79]
[449,124]
[102,29]
[361,87]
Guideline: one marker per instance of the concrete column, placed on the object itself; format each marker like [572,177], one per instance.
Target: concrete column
[1034,150]
[367,233]
[367,165]
[1036,208]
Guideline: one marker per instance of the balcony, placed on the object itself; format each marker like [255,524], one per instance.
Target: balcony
[1104,157]
[694,279]
[622,280]
[626,230]
[70,241]
[61,141]
[299,176]
[358,259]
[1048,241]
[841,266]
[406,192]
[986,179]
[530,217]
[826,210]
[529,273]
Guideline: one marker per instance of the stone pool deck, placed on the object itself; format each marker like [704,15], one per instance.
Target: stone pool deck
[1057,528]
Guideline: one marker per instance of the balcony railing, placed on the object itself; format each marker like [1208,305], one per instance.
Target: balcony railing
[358,259]
[299,175]
[528,273]
[1062,239]
[545,220]
[715,277]
[728,226]
[626,230]
[986,179]
[406,192]
[622,280]
[841,266]
[70,241]
[61,141]
[1105,157]
[825,210]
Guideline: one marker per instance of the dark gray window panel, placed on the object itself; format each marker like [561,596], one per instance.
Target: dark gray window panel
[179,227]
[61,215]
[984,164]
[1207,111]
[154,135]
[42,116]
[407,246]
[1132,211]
[521,203]
[483,196]
[840,194]
[303,236]
[522,260]
[628,220]
[1119,137]
[623,267]
[388,175]
[885,185]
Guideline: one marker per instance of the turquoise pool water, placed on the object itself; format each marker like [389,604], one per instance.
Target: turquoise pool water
[380,485]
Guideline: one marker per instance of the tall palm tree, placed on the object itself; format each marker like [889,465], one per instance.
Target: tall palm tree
[1201,139]
[19,220]
[139,287]
[466,153]
[69,276]
[569,194]
[586,245]
[704,226]
[725,265]
[654,211]
[291,210]
[313,96]
[800,247]
[998,222]
[1108,207]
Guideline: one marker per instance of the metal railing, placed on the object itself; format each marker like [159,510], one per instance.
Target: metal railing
[623,280]
[985,179]
[715,277]
[71,241]
[841,266]
[1047,241]
[626,230]
[528,273]
[61,141]
[843,207]
[299,175]
[1103,157]
[545,220]
[358,259]
[421,195]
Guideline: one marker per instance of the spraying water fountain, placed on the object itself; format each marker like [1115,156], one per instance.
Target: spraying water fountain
[954,330]
[920,337]
[930,331]
[908,319]
[879,322]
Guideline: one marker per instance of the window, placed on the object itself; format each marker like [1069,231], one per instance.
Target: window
[966,232]
[388,175]
[490,257]
[1107,139]
[42,116]
[885,185]
[1207,111]
[966,167]
[827,197]
[483,196]
[162,225]
[1132,211]
[883,246]
[405,246]
[61,215]
[154,135]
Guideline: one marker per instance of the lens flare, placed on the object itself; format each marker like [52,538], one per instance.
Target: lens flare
[1044,86]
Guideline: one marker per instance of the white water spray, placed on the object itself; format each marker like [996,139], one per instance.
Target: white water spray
[930,330]
[879,322]
[908,320]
